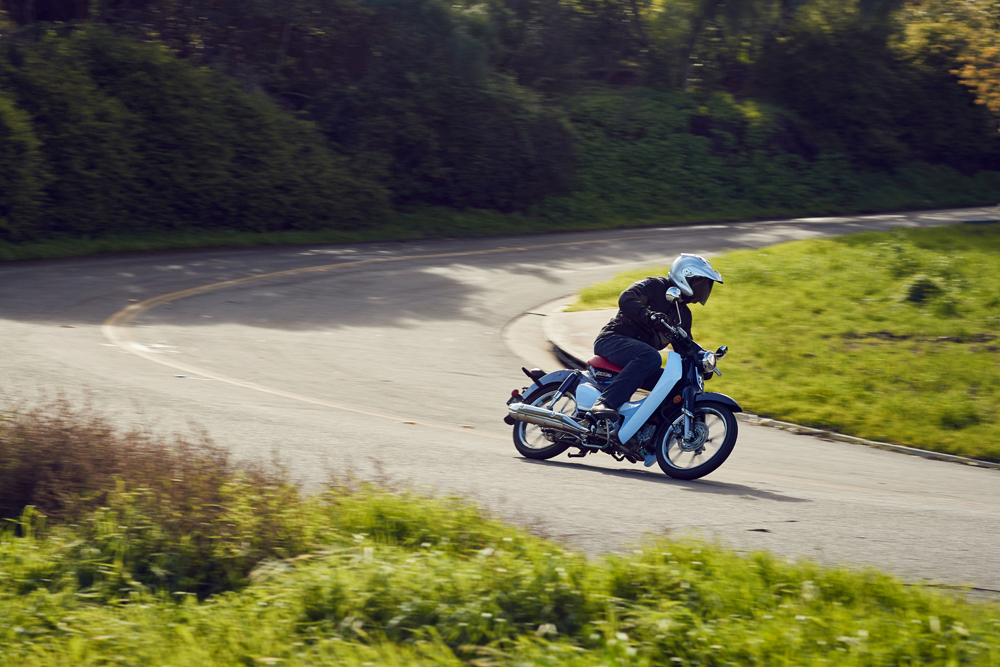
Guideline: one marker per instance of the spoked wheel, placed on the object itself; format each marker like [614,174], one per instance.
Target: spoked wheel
[538,442]
[714,436]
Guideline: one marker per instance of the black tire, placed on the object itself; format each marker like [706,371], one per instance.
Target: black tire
[529,439]
[672,458]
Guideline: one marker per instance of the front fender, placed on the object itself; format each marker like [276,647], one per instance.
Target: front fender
[718,398]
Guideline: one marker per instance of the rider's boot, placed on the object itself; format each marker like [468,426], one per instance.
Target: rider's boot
[600,411]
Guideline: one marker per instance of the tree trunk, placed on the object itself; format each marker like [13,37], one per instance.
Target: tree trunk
[703,13]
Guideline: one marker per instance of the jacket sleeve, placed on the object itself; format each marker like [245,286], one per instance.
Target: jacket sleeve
[634,303]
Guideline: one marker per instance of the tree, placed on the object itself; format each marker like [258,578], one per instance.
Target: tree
[980,68]
[25,12]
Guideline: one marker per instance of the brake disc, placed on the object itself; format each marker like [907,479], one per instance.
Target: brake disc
[699,434]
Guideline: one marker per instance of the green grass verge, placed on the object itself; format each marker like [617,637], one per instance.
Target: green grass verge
[436,223]
[889,336]
[409,580]
[430,223]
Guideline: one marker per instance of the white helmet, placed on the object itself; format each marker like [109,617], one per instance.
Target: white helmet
[694,277]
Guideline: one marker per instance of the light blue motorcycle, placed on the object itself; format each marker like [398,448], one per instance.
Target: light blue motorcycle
[688,431]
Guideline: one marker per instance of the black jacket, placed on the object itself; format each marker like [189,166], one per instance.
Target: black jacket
[636,305]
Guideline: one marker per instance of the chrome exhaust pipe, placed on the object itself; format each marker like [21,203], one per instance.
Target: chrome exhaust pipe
[531,414]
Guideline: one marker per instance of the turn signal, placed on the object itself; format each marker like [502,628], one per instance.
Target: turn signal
[677,399]
[515,393]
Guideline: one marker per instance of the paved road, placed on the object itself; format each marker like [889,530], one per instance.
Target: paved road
[400,356]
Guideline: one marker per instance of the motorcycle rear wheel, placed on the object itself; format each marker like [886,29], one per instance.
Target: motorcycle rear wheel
[529,439]
[718,438]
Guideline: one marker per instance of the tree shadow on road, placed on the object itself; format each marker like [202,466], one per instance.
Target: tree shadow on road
[697,486]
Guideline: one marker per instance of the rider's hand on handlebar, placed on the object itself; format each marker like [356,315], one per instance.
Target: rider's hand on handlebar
[660,323]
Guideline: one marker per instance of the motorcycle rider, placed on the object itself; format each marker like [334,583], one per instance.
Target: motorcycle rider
[645,324]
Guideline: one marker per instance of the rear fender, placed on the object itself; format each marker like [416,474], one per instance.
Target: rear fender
[553,377]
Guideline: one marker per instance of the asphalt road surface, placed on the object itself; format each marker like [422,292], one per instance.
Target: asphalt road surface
[399,357]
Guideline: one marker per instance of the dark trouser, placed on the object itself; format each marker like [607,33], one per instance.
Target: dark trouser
[640,367]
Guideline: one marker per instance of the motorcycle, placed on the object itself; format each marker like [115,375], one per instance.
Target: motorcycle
[689,432]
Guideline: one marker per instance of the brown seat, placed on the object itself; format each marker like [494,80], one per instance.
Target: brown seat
[604,364]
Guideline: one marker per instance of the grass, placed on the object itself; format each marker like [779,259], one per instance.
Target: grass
[358,574]
[430,223]
[519,600]
[889,336]
[439,222]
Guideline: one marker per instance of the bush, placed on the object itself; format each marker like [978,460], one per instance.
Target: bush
[177,515]
[163,513]
[445,127]
[138,141]
[647,157]
[22,179]
[883,108]
[647,154]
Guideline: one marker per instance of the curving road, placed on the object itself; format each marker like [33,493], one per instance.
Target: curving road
[397,358]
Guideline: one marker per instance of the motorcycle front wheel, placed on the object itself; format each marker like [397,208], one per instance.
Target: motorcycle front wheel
[714,430]
[531,440]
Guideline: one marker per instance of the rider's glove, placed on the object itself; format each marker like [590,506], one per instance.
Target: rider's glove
[660,323]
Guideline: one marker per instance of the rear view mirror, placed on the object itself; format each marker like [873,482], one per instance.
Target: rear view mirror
[721,352]
[673,294]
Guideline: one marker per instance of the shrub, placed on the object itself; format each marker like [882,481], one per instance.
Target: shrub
[22,178]
[883,108]
[163,513]
[447,129]
[138,141]
[177,515]
[64,461]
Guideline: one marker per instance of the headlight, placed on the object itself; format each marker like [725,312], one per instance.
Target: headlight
[708,362]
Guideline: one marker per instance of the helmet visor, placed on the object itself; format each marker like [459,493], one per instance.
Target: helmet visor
[702,288]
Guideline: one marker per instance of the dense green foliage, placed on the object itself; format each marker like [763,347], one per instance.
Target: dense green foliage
[884,106]
[121,568]
[888,336]
[374,116]
[652,157]
[404,86]
[126,138]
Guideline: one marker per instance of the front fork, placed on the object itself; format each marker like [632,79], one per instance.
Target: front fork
[688,394]
[692,388]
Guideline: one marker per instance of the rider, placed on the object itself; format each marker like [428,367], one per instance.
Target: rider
[645,324]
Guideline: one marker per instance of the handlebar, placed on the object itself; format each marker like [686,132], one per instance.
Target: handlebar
[675,332]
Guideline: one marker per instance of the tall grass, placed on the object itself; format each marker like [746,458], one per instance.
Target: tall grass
[891,336]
